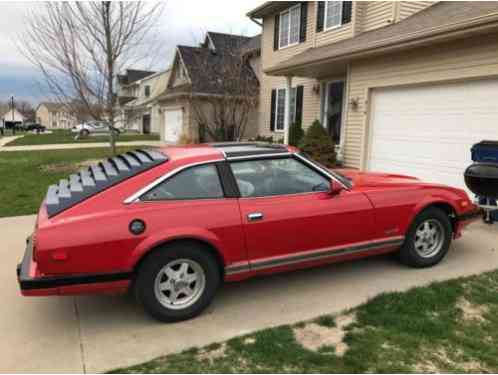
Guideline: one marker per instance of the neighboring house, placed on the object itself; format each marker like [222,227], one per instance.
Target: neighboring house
[55,116]
[136,94]
[141,113]
[11,118]
[403,87]
[197,72]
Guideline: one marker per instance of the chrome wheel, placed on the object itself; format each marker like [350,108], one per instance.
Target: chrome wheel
[179,284]
[429,238]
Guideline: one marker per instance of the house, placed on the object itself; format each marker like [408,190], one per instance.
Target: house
[11,118]
[55,116]
[138,113]
[202,73]
[137,91]
[402,87]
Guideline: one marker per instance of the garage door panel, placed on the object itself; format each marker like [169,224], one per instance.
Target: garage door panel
[427,131]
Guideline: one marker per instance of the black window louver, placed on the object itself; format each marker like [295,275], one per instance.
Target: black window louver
[96,178]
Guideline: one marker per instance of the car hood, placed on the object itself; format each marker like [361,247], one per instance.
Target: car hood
[376,179]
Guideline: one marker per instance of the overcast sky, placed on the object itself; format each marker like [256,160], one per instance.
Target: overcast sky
[183,22]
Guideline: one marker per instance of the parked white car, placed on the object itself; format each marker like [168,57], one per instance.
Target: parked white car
[92,127]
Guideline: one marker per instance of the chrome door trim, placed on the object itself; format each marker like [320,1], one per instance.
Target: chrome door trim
[322,170]
[135,197]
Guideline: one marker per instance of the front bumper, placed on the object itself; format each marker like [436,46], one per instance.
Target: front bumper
[33,283]
[461,221]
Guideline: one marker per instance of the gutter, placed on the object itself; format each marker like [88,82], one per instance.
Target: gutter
[474,25]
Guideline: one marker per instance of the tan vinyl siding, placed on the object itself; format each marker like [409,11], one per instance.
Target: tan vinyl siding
[464,59]
[334,35]
[408,8]
[377,14]
[271,57]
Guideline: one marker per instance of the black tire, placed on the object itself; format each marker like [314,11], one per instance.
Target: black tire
[412,257]
[151,267]
[84,133]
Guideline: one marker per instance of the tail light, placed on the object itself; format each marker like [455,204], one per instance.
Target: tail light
[33,244]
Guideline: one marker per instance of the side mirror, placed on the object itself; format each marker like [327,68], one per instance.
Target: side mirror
[335,187]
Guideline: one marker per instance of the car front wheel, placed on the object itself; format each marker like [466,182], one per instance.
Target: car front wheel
[177,282]
[427,240]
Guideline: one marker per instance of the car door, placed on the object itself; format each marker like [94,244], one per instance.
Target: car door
[289,215]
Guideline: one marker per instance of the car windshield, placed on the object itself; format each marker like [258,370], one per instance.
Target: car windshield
[343,179]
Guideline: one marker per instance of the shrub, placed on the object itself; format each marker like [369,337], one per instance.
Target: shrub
[318,144]
[262,138]
[296,134]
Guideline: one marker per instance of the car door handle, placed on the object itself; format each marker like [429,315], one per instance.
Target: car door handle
[253,216]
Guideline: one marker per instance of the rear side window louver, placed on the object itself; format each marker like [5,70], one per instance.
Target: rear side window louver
[96,178]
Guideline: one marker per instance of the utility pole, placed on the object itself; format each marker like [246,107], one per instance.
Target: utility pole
[12,109]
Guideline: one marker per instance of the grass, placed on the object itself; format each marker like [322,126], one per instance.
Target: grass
[26,175]
[425,329]
[65,136]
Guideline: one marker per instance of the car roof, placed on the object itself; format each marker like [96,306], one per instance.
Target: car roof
[225,150]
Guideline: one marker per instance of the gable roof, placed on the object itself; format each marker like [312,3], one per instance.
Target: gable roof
[438,20]
[227,42]
[52,107]
[133,75]
[253,45]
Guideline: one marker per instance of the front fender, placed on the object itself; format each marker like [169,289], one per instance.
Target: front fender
[168,235]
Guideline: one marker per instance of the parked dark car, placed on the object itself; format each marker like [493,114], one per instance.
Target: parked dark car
[34,127]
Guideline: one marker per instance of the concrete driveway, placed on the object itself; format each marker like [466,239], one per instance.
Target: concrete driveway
[94,334]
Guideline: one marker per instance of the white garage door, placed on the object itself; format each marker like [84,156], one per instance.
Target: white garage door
[427,131]
[173,125]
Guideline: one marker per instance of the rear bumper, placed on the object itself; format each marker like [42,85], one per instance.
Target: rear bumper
[32,283]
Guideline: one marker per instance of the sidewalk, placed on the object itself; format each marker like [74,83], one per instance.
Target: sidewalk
[66,146]
[99,333]
[5,140]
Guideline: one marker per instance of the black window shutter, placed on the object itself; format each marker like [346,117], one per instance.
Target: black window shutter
[272,110]
[320,15]
[276,32]
[347,8]
[299,104]
[304,21]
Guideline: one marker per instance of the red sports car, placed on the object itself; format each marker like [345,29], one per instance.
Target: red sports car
[173,224]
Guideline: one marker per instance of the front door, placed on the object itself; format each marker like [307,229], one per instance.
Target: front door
[146,124]
[333,109]
[290,217]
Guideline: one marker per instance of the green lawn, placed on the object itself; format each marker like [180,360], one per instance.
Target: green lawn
[446,327]
[65,136]
[26,175]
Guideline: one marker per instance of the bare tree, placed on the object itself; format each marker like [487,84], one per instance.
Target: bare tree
[224,93]
[80,46]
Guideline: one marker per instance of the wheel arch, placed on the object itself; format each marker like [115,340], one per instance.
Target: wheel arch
[444,206]
[171,242]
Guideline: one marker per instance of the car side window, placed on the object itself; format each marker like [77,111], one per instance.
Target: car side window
[267,177]
[200,182]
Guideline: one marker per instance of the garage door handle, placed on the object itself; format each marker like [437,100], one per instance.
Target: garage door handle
[254,216]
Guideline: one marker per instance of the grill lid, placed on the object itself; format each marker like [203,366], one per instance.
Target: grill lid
[96,178]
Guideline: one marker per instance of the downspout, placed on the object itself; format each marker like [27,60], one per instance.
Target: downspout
[260,24]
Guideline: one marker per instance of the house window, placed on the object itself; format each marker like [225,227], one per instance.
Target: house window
[147,91]
[290,20]
[333,14]
[280,108]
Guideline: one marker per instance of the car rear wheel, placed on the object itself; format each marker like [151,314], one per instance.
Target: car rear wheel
[84,133]
[427,240]
[177,282]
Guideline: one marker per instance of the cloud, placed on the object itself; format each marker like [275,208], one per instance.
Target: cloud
[182,22]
